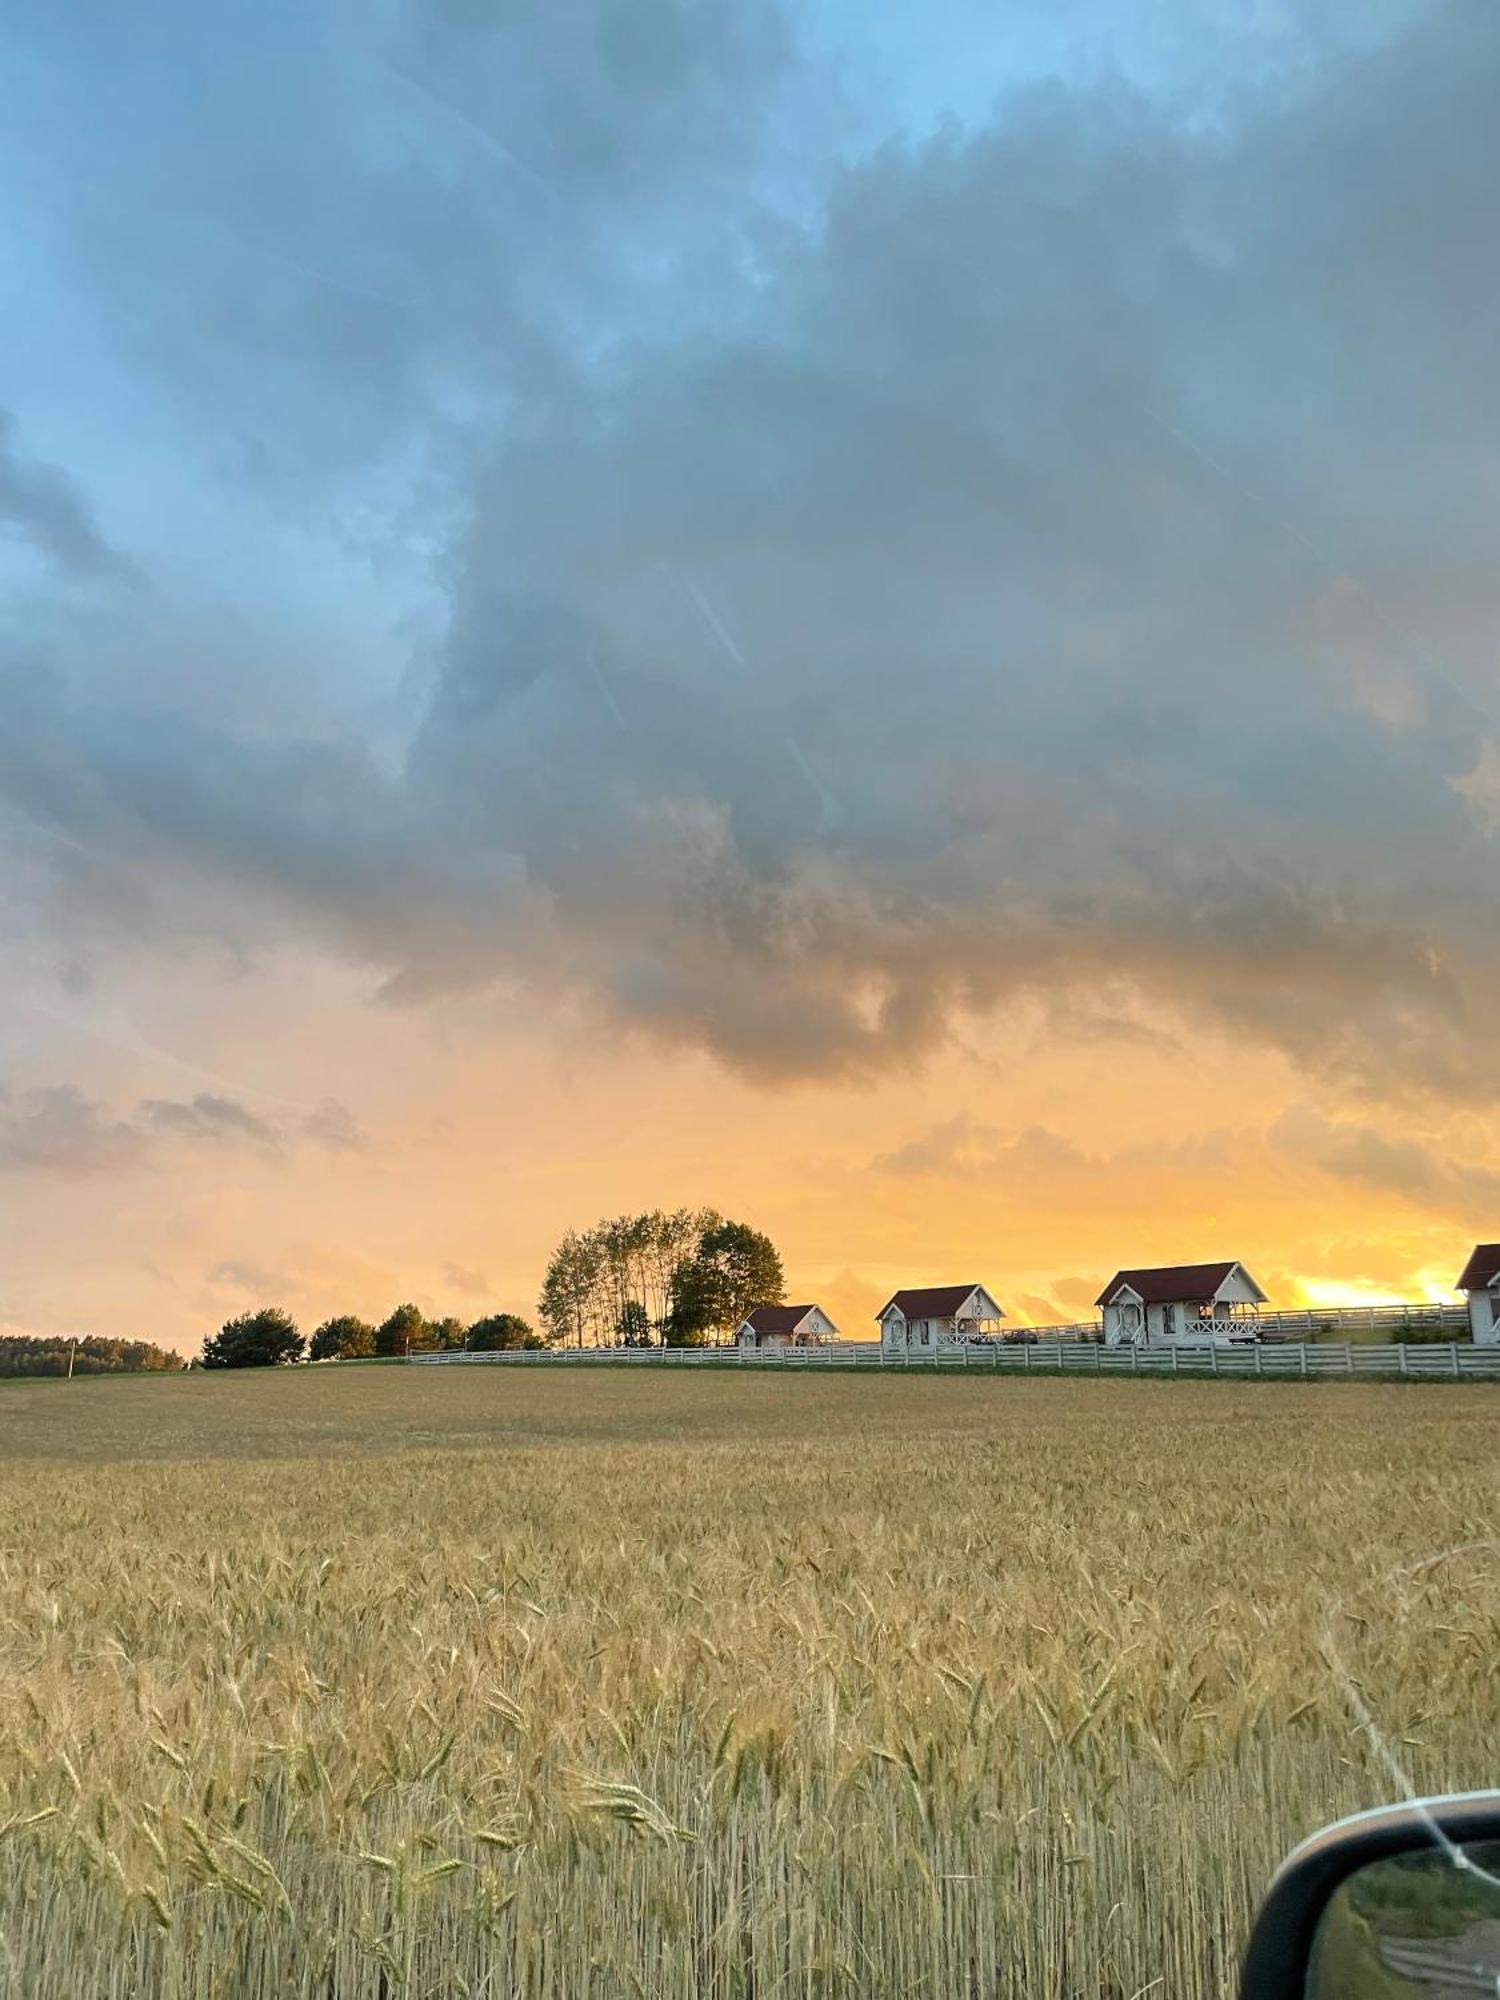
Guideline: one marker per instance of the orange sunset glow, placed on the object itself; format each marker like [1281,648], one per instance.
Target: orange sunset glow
[879,651]
[1034,1164]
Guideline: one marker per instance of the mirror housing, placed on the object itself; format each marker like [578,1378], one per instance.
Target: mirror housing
[1279,1957]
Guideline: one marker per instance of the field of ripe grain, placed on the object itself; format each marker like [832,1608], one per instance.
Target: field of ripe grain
[384,1681]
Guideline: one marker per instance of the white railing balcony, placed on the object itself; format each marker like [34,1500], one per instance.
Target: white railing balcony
[1228,1328]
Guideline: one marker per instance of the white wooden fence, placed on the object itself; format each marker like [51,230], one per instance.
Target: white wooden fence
[1436,1360]
[1388,1321]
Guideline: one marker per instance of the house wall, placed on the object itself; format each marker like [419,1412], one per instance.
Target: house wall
[1236,1290]
[979,1305]
[1484,1317]
[1155,1323]
[818,1325]
[1160,1323]
[919,1334]
[896,1331]
[1115,1328]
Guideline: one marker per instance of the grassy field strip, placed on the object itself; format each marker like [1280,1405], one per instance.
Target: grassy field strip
[482,1682]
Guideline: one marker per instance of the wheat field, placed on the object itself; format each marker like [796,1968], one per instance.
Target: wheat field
[386,1681]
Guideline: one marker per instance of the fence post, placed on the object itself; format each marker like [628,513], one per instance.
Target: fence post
[1135,1359]
[1174,1357]
[1213,1357]
[1302,1350]
[1098,1364]
[1453,1354]
[1401,1350]
[1026,1356]
[1257,1358]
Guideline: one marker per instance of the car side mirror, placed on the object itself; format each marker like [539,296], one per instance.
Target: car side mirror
[1398,1904]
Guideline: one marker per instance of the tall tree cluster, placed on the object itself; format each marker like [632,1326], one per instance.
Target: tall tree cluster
[679,1278]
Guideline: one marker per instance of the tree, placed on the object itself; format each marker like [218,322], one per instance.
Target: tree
[263,1339]
[89,1354]
[343,1338]
[694,1299]
[633,1327]
[736,1269]
[449,1334]
[498,1333]
[405,1332]
[602,1282]
[566,1307]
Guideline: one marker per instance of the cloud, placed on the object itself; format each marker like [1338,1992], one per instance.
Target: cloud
[334,1126]
[959,1148]
[1466,1191]
[209,1119]
[256,1280]
[41,505]
[1045,562]
[1480,788]
[58,1129]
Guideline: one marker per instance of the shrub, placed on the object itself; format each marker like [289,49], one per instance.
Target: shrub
[497,1333]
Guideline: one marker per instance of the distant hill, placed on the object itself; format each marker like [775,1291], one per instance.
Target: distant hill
[23,1354]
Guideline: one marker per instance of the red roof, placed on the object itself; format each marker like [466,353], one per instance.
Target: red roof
[1480,1271]
[929,1301]
[777,1319]
[1172,1284]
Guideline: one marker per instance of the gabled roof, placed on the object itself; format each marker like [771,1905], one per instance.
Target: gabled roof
[929,1301]
[1175,1284]
[1482,1268]
[777,1319]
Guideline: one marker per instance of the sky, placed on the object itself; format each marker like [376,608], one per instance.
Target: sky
[885,618]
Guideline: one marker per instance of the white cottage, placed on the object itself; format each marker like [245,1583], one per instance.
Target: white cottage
[1480,1278]
[786,1326]
[937,1316]
[1181,1302]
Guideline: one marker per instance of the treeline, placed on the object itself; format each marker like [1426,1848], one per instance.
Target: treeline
[675,1279]
[92,1354]
[269,1337]
[678,1280]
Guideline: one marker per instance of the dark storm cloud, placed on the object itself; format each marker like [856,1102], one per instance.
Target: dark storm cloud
[1048,563]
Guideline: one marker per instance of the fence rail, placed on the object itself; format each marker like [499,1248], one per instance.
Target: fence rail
[1306,1320]
[1433,1360]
